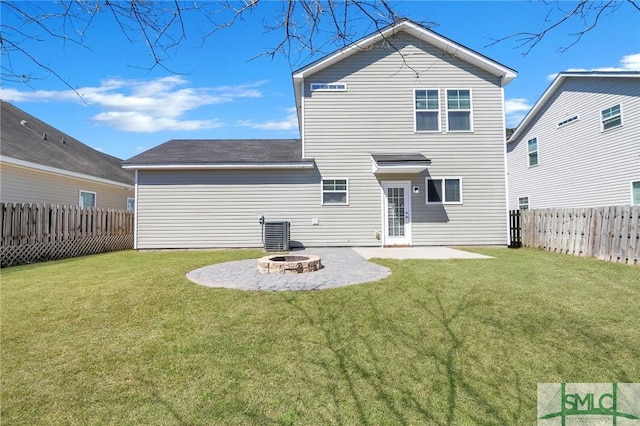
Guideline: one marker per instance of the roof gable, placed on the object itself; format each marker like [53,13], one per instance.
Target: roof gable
[420,32]
[555,86]
[30,140]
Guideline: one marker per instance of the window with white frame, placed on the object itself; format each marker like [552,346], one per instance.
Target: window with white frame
[523,203]
[87,199]
[328,87]
[568,120]
[611,117]
[532,150]
[335,192]
[444,190]
[131,204]
[459,110]
[427,110]
[635,193]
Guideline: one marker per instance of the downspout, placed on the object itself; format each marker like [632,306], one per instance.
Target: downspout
[135,214]
[504,160]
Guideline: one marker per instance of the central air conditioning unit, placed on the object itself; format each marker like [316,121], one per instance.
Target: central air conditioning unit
[276,236]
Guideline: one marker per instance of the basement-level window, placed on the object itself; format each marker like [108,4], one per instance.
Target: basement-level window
[444,190]
[87,199]
[523,203]
[335,192]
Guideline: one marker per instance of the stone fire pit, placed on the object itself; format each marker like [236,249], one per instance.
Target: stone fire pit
[289,264]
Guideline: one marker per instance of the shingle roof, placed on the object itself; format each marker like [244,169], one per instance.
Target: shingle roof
[24,137]
[221,152]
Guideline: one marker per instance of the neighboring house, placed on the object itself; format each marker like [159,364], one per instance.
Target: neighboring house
[40,164]
[579,146]
[402,143]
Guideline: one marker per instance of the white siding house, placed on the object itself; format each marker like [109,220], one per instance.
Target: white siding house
[579,146]
[402,143]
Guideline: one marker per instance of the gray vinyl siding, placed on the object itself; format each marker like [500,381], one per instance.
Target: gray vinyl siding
[25,185]
[376,114]
[580,165]
[209,208]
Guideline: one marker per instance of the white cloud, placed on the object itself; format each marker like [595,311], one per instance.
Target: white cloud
[145,106]
[627,63]
[290,122]
[515,110]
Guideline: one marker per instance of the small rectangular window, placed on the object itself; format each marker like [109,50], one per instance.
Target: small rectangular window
[131,204]
[635,193]
[328,87]
[568,120]
[444,190]
[611,117]
[335,192]
[427,110]
[523,203]
[532,149]
[459,110]
[87,199]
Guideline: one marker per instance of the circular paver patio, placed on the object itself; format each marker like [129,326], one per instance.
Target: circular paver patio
[341,267]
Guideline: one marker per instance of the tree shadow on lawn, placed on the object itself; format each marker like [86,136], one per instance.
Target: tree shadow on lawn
[416,373]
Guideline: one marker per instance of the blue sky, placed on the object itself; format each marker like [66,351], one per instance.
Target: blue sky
[216,90]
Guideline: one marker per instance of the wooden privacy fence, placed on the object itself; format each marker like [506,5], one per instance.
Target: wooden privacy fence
[39,232]
[607,233]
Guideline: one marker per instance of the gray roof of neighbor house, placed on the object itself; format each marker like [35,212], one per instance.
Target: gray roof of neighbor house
[205,153]
[24,137]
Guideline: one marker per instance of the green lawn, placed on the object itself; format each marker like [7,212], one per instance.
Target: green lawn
[125,338]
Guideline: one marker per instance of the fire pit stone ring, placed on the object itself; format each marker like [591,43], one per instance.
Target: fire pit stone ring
[289,264]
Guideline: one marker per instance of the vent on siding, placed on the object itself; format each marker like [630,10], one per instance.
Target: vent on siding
[276,236]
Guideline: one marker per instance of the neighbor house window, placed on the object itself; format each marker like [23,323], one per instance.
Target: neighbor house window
[87,199]
[131,204]
[523,203]
[459,110]
[568,120]
[532,149]
[444,190]
[328,87]
[335,192]
[427,110]
[611,117]
[635,193]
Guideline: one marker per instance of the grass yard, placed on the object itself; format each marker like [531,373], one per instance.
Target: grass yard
[125,338]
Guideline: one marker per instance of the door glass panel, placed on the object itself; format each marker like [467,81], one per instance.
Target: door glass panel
[395,201]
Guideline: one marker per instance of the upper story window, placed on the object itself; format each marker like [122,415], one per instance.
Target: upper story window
[523,203]
[427,110]
[329,87]
[444,190]
[611,117]
[87,199]
[459,110]
[335,192]
[568,120]
[532,149]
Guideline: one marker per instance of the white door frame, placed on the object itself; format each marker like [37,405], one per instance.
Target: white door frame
[406,239]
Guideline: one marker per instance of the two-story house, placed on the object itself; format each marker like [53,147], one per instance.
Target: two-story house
[41,164]
[579,146]
[401,143]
